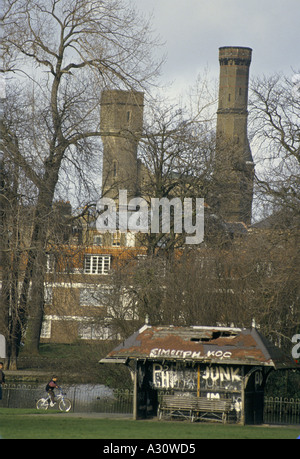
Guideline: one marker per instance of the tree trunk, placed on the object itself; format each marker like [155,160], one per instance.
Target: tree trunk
[36,265]
[35,308]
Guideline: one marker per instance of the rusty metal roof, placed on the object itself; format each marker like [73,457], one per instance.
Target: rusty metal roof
[201,344]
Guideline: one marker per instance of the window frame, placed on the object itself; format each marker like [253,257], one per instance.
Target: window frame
[97,264]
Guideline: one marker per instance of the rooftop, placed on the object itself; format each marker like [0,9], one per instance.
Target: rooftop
[201,344]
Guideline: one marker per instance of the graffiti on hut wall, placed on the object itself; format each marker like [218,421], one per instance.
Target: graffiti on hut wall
[214,378]
[218,377]
[170,377]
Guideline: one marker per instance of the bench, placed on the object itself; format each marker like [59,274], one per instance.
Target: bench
[177,406]
[194,408]
[213,409]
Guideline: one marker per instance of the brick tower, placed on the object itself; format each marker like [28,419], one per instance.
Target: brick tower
[121,128]
[234,168]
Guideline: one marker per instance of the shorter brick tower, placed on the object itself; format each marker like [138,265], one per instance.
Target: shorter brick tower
[121,130]
[234,168]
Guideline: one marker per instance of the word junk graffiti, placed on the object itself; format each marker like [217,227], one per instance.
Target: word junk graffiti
[219,377]
[171,377]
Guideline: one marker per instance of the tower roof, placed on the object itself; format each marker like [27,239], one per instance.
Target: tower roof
[237,53]
[236,47]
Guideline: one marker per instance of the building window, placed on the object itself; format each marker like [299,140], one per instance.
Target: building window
[94,332]
[92,296]
[130,240]
[50,266]
[48,294]
[97,264]
[116,239]
[98,240]
[46,329]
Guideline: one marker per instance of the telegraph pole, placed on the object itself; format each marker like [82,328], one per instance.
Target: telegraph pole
[2,79]
[2,101]
[2,181]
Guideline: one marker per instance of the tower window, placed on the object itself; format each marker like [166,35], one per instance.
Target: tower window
[229,97]
[240,91]
[128,116]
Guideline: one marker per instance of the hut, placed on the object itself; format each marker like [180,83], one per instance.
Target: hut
[199,373]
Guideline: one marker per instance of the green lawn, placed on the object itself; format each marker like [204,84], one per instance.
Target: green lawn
[26,424]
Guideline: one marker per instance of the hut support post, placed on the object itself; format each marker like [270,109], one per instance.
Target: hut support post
[135,392]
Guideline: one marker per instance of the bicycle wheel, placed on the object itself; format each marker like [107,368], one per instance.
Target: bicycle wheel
[42,404]
[65,405]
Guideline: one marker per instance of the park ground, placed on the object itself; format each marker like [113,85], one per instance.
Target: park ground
[31,424]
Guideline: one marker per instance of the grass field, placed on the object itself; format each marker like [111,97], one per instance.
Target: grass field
[30,424]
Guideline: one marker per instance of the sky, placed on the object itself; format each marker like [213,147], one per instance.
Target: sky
[193,31]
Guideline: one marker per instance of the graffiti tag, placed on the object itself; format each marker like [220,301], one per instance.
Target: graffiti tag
[169,377]
[189,354]
[222,374]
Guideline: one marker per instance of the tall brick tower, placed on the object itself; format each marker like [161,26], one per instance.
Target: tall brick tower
[234,167]
[121,128]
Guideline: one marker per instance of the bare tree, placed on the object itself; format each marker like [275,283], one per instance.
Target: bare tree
[176,157]
[275,114]
[256,278]
[64,53]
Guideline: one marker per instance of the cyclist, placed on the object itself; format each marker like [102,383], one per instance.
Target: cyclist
[52,384]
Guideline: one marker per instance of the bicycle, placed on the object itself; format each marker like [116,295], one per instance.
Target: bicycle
[64,404]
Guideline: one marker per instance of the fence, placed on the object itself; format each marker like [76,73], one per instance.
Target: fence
[101,399]
[84,398]
[281,410]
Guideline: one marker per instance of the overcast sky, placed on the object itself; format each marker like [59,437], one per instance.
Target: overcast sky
[194,30]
